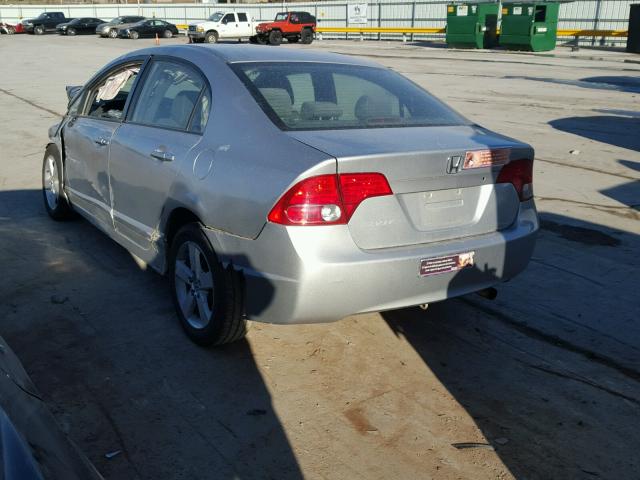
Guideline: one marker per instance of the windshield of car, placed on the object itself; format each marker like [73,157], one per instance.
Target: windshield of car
[216,17]
[325,96]
[281,17]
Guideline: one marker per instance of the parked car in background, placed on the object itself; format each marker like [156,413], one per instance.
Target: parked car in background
[373,194]
[294,26]
[222,26]
[7,29]
[79,26]
[45,22]
[148,28]
[110,29]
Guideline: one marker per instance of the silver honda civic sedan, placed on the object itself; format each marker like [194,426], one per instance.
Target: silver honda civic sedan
[289,186]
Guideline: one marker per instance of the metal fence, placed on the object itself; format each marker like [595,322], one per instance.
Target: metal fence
[581,14]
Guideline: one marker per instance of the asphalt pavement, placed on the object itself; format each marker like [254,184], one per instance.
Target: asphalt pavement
[543,382]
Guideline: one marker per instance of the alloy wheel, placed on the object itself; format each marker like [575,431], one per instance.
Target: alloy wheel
[194,285]
[51,182]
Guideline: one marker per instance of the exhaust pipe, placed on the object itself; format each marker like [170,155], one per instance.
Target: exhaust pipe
[488,293]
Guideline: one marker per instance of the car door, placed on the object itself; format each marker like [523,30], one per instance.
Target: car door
[159,27]
[87,137]
[229,26]
[245,29]
[81,26]
[91,24]
[146,29]
[161,132]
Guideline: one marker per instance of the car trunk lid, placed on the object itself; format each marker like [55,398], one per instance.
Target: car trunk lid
[432,200]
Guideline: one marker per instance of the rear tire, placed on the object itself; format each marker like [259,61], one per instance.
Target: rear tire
[275,37]
[38,30]
[306,36]
[208,298]
[211,37]
[113,33]
[167,34]
[11,30]
[52,186]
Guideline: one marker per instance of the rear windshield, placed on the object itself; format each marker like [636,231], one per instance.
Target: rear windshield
[325,96]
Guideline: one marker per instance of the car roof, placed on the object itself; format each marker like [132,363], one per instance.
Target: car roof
[257,53]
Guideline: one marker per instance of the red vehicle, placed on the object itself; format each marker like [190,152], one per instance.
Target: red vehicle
[8,29]
[294,26]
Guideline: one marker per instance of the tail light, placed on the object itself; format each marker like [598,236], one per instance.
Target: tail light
[327,199]
[520,174]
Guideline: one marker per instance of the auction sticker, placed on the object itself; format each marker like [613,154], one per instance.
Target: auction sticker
[449,263]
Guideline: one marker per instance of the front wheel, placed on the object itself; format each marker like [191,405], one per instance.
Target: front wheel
[167,34]
[207,298]
[211,37]
[38,30]
[113,33]
[54,200]
[134,35]
[275,37]
[71,31]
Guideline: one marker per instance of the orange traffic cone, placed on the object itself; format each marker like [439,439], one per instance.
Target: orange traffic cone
[157,39]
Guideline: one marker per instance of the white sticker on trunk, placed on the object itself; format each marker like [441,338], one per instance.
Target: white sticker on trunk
[517,10]
[463,10]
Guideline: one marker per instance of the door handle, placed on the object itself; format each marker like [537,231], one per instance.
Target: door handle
[102,141]
[162,155]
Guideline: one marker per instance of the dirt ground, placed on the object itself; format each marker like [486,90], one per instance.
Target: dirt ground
[542,383]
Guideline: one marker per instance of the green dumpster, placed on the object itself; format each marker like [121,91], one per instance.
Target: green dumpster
[472,25]
[529,26]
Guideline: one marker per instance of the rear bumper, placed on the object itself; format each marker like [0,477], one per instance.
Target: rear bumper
[318,274]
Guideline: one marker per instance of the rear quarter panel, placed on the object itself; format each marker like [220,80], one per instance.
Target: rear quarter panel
[245,163]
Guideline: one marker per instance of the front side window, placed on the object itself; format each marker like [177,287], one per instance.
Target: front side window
[229,18]
[323,96]
[108,99]
[170,93]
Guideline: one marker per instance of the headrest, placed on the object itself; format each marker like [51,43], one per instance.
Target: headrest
[320,111]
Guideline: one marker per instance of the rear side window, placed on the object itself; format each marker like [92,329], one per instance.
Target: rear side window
[242,17]
[324,96]
[170,94]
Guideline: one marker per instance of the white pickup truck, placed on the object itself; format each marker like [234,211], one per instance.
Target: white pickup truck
[221,26]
